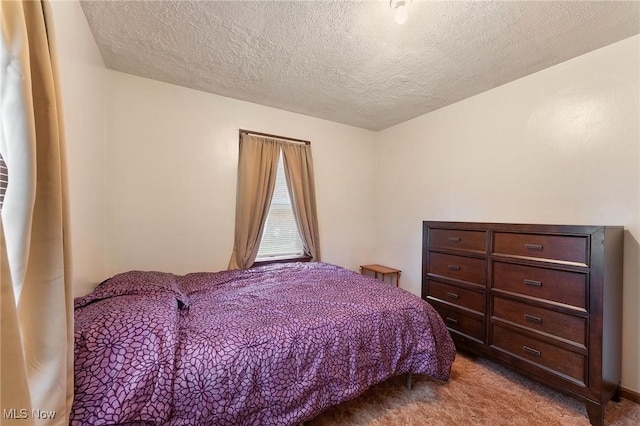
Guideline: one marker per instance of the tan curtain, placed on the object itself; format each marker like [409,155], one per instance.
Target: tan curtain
[37,307]
[257,169]
[298,170]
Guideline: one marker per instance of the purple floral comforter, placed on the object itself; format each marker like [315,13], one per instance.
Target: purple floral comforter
[267,346]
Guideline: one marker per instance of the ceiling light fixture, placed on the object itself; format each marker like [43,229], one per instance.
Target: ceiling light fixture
[400,7]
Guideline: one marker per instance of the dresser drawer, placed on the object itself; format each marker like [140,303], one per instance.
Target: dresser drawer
[466,324]
[563,248]
[561,360]
[462,268]
[457,239]
[559,324]
[565,287]
[466,298]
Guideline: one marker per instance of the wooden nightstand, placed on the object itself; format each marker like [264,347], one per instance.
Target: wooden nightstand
[382,271]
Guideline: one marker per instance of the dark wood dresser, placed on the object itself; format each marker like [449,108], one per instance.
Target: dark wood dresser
[544,300]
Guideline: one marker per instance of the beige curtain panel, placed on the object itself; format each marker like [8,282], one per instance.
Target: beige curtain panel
[298,170]
[36,345]
[257,169]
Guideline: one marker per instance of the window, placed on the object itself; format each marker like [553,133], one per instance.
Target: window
[280,238]
[266,209]
[4,180]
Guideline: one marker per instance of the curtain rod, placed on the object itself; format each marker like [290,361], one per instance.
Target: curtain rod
[267,135]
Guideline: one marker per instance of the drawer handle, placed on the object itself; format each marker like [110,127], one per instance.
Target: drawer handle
[452,321]
[454,239]
[533,283]
[453,267]
[531,318]
[537,247]
[453,296]
[532,351]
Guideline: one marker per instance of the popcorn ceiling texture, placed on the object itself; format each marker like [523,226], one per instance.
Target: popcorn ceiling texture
[348,61]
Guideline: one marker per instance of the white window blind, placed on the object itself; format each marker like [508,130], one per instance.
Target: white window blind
[280,238]
[4,180]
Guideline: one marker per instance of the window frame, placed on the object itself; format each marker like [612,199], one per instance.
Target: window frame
[304,258]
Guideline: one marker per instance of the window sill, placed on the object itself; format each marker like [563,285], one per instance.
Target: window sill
[282,260]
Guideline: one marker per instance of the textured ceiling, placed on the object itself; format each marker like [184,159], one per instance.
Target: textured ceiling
[348,61]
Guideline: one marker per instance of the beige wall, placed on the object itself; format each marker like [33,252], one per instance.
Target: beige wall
[83,80]
[559,146]
[172,156]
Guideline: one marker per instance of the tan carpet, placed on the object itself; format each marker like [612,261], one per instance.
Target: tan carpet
[478,393]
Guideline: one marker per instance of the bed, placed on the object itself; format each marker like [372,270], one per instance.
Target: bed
[273,345]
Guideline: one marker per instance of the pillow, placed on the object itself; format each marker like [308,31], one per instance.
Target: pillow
[135,283]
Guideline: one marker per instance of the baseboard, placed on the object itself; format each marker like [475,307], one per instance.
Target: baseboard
[630,395]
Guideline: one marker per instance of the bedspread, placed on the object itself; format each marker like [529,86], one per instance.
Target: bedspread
[277,345]
[124,360]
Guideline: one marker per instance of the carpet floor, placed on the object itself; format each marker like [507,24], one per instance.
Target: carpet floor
[479,392]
